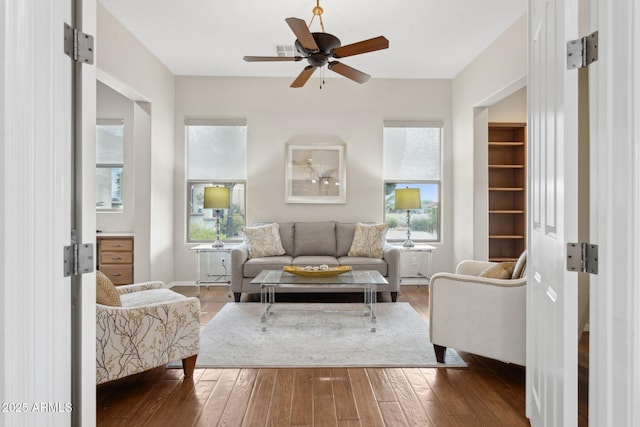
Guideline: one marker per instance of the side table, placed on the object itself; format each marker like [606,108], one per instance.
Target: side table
[415,263]
[214,265]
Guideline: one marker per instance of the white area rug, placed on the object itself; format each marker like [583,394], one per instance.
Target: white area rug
[314,335]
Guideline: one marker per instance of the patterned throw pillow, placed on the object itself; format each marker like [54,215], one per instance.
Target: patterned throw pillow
[519,270]
[368,240]
[503,270]
[106,292]
[263,240]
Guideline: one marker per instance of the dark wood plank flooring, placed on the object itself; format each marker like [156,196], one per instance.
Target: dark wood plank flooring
[487,393]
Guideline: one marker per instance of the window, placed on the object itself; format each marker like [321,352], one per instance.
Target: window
[216,156]
[412,158]
[109,164]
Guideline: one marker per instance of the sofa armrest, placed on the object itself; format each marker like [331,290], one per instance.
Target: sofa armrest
[391,254]
[137,287]
[239,255]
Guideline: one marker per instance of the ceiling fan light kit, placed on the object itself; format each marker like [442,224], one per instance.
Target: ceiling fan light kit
[318,48]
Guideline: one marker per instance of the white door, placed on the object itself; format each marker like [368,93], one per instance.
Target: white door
[84,224]
[614,381]
[553,183]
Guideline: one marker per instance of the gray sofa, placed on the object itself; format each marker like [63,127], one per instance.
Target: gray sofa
[313,243]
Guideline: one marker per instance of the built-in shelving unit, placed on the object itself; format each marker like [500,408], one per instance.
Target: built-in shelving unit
[507,190]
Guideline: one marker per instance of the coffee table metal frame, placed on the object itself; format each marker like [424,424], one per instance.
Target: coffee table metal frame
[368,281]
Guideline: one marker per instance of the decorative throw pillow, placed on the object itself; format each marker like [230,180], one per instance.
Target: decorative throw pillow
[503,270]
[106,292]
[368,240]
[263,240]
[521,266]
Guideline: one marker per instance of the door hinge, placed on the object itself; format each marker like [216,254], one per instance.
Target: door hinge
[582,52]
[78,259]
[582,257]
[78,45]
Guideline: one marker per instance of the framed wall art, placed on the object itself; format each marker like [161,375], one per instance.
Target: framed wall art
[315,173]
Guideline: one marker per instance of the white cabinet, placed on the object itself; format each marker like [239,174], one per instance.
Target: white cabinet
[415,264]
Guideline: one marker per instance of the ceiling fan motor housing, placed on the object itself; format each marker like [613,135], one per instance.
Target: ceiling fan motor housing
[326,43]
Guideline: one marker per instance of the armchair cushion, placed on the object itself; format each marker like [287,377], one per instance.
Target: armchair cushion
[502,270]
[106,291]
[368,240]
[263,240]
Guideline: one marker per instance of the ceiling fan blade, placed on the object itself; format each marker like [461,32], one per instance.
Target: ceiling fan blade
[371,45]
[304,36]
[304,76]
[349,72]
[272,58]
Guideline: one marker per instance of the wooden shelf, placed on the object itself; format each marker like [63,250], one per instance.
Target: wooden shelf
[506,144]
[507,190]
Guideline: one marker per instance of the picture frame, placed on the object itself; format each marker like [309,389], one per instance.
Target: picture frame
[315,173]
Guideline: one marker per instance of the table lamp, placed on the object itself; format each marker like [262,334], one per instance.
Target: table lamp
[217,198]
[407,199]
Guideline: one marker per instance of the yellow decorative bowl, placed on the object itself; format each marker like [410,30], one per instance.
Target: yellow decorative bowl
[313,272]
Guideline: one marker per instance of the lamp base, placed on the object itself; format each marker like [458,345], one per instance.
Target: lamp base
[408,243]
[217,244]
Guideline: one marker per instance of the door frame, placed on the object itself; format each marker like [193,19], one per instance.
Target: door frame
[614,374]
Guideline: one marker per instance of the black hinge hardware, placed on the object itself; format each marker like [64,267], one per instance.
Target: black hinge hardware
[582,257]
[78,259]
[78,45]
[582,52]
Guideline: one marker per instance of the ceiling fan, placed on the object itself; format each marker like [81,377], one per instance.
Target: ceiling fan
[319,48]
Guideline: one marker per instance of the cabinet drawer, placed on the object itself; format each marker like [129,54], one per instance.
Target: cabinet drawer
[116,258]
[116,245]
[119,274]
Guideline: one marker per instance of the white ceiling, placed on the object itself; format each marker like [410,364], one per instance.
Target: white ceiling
[427,38]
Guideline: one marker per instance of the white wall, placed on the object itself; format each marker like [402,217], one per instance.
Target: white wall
[276,114]
[512,109]
[127,66]
[496,73]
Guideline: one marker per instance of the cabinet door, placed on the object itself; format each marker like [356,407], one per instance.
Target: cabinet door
[414,264]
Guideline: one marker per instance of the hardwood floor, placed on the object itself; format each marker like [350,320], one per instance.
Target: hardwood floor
[487,393]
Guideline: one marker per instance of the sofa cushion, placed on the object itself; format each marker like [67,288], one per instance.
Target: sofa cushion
[502,270]
[254,266]
[368,240]
[315,238]
[365,263]
[263,240]
[287,230]
[315,260]
[344,237]
[149,297]
[106,291]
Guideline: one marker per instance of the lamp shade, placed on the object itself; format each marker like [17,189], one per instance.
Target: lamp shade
[408,198]
[216,198]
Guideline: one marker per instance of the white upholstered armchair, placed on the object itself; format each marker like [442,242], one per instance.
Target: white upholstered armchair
[151,327]
[480,315]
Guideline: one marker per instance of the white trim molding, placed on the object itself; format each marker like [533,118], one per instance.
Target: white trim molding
[614,383]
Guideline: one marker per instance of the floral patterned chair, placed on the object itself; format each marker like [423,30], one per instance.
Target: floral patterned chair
[143,326]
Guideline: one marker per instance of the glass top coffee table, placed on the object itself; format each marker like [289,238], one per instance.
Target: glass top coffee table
[368,281]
